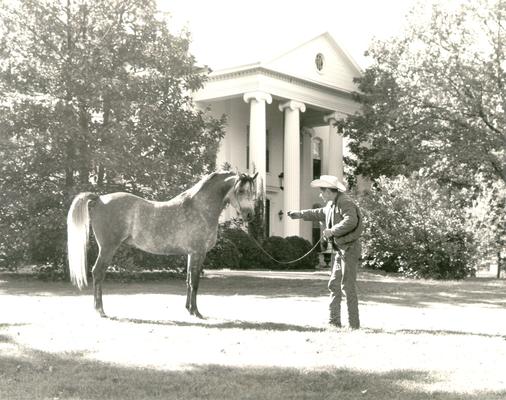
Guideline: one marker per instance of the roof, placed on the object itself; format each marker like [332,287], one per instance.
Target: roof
[316,72]
[249,55]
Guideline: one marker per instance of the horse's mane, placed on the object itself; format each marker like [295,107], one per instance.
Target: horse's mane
[203,184]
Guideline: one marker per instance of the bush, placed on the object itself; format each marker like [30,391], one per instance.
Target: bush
[223,255]
[412,226]
[302,246]
[51,272]
[486,220]
[46,239]
[131,260]
[251,256]
[280,249]
[289,249]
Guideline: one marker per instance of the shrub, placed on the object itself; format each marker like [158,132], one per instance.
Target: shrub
[46,237]
[487,222]
[131,259]
[251,256]
[280,249]
[412,226]
[128,259]
[223,255]
[300,247]
[289,249]
[50,272]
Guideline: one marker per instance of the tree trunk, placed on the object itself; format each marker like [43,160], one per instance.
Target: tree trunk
[499,264]
[83,147]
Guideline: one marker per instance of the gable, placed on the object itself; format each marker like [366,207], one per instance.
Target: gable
[338,68]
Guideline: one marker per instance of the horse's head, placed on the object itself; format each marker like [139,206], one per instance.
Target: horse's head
[243,195]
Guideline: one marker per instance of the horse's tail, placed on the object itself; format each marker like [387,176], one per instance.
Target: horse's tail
[78,227]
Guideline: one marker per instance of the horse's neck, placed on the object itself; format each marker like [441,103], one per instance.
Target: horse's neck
[212,200]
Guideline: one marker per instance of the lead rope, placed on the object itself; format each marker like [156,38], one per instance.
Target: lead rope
[292,261]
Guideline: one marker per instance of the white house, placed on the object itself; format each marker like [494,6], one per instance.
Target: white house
[281,115]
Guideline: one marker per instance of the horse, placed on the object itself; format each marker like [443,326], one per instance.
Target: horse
[185,225]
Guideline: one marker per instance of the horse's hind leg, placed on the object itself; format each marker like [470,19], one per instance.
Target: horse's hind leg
[192,282]
[103,260]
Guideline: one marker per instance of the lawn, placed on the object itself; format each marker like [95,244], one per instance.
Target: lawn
[265,337]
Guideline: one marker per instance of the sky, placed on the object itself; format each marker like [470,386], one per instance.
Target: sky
[228,33]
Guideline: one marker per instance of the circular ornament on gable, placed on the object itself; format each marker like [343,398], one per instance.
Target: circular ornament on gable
[319,62]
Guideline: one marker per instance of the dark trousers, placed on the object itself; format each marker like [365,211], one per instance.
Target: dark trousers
[343,279]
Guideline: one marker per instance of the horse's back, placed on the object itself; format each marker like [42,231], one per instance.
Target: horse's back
[112,215]
[149,225]
[120,197]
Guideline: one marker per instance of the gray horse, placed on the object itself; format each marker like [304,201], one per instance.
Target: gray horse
[184,225]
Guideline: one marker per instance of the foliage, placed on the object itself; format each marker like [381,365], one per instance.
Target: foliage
[300,247]
[486,220]
[435,96]
[289,249]
[256,227]
[280,250]
[413,227]
[94,96]
[223,255]
[251,257]
[434,99]
[130,259]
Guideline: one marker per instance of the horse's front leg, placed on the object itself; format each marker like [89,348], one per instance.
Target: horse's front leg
[195,262]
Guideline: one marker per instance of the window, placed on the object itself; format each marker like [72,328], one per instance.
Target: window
[267,217]
[319,61]
[266,149]
[247,147]
[316,153]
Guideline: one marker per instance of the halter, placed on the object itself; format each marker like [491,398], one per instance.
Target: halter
[237,183]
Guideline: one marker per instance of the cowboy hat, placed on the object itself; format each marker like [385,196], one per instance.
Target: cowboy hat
[329,181]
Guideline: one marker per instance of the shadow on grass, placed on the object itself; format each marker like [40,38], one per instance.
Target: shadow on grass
[433,332]
[373,288]
[281,327]
[39,375]
[261,326]
[2,326]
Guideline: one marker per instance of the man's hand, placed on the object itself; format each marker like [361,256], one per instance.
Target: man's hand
[294,214]
[327,233]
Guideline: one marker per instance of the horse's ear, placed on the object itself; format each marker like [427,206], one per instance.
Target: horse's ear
[254,176]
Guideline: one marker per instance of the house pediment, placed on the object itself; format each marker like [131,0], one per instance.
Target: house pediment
[317,73]
[320,60]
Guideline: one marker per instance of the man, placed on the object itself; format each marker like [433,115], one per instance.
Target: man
[343,227]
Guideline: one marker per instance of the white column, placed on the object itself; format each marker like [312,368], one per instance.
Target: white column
[335,148]
[306,192]
[291,164]
[257,138]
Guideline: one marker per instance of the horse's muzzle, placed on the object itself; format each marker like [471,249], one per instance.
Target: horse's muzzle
[248,216]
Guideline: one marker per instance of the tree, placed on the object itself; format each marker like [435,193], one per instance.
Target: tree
[435,100]
[94,95]
[436,96]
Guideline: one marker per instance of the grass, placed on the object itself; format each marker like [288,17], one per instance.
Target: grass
[265,337]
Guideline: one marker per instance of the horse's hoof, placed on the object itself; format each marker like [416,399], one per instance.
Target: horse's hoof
[196,313]
[101,313]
